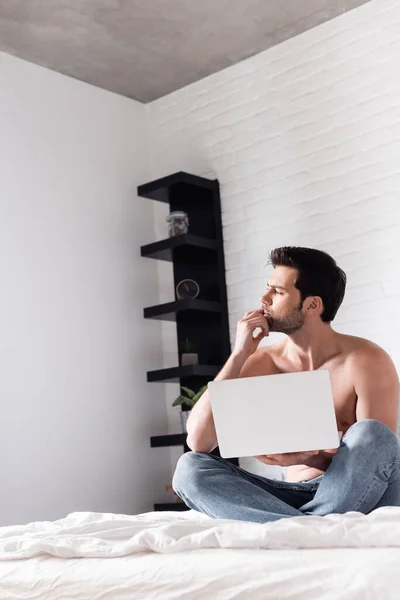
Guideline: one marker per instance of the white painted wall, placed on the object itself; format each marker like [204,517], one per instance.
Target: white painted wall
[305,141]
[76,410]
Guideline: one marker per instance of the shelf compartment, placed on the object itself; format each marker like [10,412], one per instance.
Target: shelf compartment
[159,189]
[160,441]
[175,374]
[185,249]
[185,308]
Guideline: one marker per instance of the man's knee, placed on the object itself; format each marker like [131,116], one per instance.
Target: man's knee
[371,433]
[188,471]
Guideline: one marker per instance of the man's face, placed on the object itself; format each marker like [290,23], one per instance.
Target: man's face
[282,301]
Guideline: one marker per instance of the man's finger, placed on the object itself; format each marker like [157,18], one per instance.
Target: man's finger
[260,335]
[331,451]
[267,459]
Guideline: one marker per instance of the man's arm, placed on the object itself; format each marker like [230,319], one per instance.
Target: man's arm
[376,384]
[200,426]
[202,436]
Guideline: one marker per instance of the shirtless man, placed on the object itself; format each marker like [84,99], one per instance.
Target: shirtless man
[302,297]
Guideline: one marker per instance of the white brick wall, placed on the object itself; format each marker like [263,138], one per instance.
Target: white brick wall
[305,140]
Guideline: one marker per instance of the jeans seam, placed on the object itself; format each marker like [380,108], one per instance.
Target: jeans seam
[374,481]
[391,465]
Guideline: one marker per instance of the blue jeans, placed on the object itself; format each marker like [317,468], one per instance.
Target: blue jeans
[363,475]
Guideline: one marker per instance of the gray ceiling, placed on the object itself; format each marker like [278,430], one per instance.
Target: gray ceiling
[145,49]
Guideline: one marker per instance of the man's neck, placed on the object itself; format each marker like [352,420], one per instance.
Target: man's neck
[310,347]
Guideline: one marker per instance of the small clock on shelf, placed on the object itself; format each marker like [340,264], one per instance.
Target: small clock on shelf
[187,288]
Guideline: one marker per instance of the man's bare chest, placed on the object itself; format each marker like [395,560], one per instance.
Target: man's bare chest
[344,396]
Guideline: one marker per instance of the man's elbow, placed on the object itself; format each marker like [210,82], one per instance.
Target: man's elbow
[198,446]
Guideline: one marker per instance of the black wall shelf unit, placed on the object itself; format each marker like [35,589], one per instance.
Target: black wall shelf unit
[175,374]
[186,309]
[160,441]
[177,506]
[198,255]
[184,249]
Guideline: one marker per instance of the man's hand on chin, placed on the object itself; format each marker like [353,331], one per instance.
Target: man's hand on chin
[318,459]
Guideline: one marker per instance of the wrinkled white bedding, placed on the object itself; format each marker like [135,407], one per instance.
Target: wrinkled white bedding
[188,555]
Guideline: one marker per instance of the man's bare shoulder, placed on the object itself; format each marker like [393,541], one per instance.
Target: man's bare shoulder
[355,348]
[362,357]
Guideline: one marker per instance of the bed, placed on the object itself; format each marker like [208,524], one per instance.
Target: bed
[187,555]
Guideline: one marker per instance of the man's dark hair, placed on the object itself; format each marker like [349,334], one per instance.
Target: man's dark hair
[318,275]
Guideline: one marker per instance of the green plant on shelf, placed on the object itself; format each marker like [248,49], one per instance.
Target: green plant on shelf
[188,346]
[190,398]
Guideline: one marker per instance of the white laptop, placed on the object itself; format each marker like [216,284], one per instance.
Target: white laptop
[271,414]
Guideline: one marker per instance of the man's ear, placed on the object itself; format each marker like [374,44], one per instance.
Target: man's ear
[313,305]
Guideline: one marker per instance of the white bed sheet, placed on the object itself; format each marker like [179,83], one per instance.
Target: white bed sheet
[100,556]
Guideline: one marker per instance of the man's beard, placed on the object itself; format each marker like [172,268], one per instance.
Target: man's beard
[288,324]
